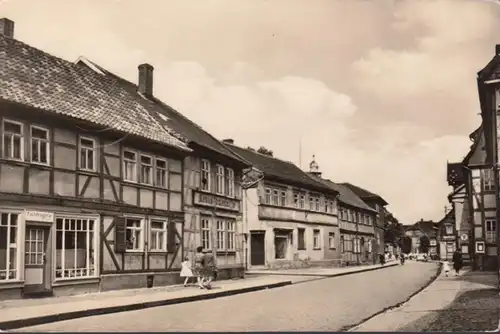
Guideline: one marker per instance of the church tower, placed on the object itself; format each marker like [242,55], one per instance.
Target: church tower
[314,168]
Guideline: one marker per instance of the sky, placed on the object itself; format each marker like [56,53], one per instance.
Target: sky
[382,92]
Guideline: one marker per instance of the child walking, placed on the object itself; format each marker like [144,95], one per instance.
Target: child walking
[446,268]
[186,270]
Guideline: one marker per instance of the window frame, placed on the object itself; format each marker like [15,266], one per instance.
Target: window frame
[208,230]
[231,235]
[316,239]
[490,234]
[155,231]
[275,197]
[128,160]
[39,141]
[267,195]
[142,230]
[93,150]
[151,167]
[331,240]
[11,246]
[21,142]
[301,238]
[488,175]
[91,249]
[283,197]
[230,187]
[205,163]
[165,170]
[220,240]
[220,179]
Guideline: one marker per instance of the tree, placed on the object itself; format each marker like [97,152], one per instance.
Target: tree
[265,151]
[425,244]
[405,244]
[393,229]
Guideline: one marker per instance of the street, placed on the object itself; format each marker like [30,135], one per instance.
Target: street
[320,305]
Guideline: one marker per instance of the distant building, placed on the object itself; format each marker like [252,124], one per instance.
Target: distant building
[447,236]
[422,228]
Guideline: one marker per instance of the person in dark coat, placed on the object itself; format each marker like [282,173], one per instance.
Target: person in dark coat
[198,266]
[209,269]
[457,261]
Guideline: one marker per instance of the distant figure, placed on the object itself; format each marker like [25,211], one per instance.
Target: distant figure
[198,266]
[457,261]
[186,270]
[381,257]
[209,269]
[446,268]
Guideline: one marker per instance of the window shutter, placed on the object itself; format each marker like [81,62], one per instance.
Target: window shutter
[171,238]
[120,234]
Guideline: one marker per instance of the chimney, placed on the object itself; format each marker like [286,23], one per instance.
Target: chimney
[7,27]
[228,141]
[497,49]
[146,80]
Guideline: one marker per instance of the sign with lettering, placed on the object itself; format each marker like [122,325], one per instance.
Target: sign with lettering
[214,201]
[448,237]
[39,216]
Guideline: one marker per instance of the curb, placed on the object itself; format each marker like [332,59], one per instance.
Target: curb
[325,275]
[351,328]
[45,319]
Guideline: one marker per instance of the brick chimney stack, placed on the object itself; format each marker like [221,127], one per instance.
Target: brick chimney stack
[7,27]
[146,80]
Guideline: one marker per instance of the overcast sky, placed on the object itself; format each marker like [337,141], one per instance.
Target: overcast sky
[382,92]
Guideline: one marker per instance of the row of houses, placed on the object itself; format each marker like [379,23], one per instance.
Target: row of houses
[471,225]
[103,186]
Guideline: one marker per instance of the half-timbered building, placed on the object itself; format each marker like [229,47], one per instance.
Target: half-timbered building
[91,184]
[211,184]
[377,203]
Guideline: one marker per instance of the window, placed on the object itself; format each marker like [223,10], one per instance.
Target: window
[221,235]
[158,240]
[342,247]
[161,173]
[40,145]
[280,246]
[129,166]
[205,234]
[356,245]
[316,239]
[283,198]
[301,236]
[134,234]
[311,203]
[491,231]
[8,246]
[370,246]
[276,197]
[449,229]
[317,207]
[231,234]
[75,256]
[220,180]
[13,145]
[328,206]
[267,196]
[488,179]
[331,240]
[302,202]
[87,154]
[146,169]
[206,179]
[229,182]
[34,247]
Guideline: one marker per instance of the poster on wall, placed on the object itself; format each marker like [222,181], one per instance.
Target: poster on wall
[480,247]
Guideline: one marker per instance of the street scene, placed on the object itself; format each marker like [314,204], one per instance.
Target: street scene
[249,166]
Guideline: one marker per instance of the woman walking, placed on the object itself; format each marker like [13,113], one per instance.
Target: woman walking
[457,261]
[186,270]
[199,266]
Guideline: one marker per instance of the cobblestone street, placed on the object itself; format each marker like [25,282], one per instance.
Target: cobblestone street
[326,304]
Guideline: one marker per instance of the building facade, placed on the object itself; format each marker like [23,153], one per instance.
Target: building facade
[290,219]
[91,186]
[422,228]
[447,236]
[377,203]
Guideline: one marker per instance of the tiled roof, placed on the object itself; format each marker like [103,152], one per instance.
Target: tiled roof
[279,169]
[37,79]
[363,193]
[172,119]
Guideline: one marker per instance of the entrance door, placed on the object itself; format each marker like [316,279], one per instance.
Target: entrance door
[257,249]
[37,274]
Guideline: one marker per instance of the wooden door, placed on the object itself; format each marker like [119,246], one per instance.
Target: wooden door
[257,249]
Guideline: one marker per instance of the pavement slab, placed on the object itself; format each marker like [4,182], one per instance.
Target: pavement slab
[469,302]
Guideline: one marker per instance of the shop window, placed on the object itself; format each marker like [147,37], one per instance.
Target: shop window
[301,234]
[75,242]
[8,246]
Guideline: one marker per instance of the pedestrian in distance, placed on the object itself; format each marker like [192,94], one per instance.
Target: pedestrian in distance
[198,266]
[446,268]
[457,261]
[186,270]
[209,269]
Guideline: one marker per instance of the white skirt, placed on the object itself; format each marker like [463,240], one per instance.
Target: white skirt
[186,272]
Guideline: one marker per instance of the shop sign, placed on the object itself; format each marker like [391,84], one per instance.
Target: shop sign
[39,216]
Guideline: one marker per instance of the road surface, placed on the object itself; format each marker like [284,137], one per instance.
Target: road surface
[321,305]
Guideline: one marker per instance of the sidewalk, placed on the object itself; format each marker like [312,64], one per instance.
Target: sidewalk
[321,272]
[469,302]
[30,312]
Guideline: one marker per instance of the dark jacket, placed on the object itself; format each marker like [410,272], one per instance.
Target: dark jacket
[457,260]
